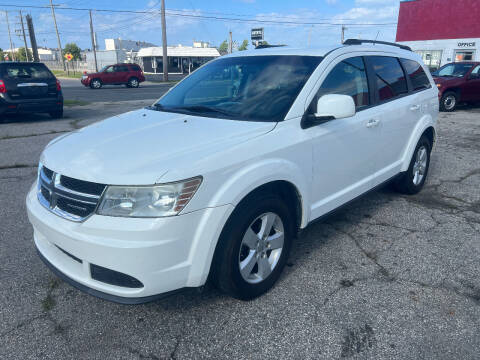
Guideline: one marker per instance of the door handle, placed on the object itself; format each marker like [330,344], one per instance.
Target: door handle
[415,107]
[372,123]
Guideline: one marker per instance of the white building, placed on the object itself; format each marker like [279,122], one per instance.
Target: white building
[181,59]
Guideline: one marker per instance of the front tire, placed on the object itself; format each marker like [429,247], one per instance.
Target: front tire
[411,181]
[253,247]
[449,101]
[95,84]
[57,114]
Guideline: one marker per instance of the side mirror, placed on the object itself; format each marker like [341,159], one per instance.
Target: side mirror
[330,107]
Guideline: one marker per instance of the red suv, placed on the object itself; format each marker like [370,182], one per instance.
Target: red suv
[457,82]
[130,75]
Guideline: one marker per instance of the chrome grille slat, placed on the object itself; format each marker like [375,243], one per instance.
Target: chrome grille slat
[63,201]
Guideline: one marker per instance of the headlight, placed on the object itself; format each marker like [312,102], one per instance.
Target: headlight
[439,85]
[148,201]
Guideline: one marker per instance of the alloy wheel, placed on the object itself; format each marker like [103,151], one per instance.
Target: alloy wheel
[449,102]
[261,247]
[420,165]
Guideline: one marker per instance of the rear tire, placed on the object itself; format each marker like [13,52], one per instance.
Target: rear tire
[449,101]
[253,247]
[133,82]
[57,114]
[411,181]
[96,84]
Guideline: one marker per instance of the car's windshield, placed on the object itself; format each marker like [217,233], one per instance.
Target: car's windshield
[33,71]
[255,88]
[456,70]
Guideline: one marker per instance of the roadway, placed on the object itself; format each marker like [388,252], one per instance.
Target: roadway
[74,90]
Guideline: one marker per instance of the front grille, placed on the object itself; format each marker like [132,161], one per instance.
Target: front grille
[67,197]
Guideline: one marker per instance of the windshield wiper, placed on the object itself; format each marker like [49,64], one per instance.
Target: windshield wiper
[155,107]
[202,109]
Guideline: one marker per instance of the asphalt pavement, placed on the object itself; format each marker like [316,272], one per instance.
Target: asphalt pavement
[388,277]
[74,90]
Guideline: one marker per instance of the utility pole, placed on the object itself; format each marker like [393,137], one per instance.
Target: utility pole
[24,37]
[33,40]
[230,44]
[10,38]
[93,41]
[58,36]
[164,43]
[343,33]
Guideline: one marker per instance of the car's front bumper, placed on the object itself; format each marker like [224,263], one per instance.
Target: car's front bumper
[163,254]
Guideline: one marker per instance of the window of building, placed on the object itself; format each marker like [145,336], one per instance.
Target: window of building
[431,58]
[416,74]
[464,55]
[389,77]
[347,78]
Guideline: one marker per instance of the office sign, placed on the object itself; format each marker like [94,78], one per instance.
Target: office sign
[257,34]
[466,44]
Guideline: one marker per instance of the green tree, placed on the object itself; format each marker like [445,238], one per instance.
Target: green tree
[223,48]
[73,49]
[244,46]
[22,56]
[2,55]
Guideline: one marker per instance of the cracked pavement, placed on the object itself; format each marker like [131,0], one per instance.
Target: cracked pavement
[389,276]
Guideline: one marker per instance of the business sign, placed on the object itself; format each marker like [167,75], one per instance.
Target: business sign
[257,34]
[68,56]
[466,44]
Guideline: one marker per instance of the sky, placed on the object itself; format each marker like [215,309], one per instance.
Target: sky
[184,26]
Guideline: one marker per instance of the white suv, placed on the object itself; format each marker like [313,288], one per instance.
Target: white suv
[216,178]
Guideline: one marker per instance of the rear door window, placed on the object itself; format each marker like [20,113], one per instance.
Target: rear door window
[27,71]
[418,77]
[388,76]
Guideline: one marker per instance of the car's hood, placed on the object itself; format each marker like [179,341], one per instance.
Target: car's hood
[138,147]
[92,74]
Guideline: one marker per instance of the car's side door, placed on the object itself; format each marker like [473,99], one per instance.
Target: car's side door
[108,75]
[121,74]
[396,110]
[344,150]
[471,88]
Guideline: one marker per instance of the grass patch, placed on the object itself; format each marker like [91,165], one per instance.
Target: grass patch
[61,73]
[75,103]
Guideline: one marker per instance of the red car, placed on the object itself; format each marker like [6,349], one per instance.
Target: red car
[130,75]
[457,82]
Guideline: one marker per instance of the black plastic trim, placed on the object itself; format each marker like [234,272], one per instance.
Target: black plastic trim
[360,42]
[105,296]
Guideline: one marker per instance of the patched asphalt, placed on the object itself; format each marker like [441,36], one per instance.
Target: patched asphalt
[388,277]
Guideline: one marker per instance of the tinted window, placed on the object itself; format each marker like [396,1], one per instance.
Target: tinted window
[135,67]
[347,78]
[27,71]
[256,88]
[121,68]
[416,74]
[389,77]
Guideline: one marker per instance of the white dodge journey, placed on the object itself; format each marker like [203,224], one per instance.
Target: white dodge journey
[216,178]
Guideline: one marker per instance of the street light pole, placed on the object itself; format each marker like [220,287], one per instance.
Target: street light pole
[12,54]
[93,41]
[24,37]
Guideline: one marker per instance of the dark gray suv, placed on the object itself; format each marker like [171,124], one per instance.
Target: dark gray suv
[29,87]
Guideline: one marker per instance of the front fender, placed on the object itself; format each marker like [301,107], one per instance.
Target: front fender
[248,178]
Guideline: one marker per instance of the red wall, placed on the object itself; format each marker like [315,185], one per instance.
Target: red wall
[438,19]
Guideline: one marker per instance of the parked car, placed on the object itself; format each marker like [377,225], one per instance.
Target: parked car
[130,75]
[457,82]
[29,87]
[215,179]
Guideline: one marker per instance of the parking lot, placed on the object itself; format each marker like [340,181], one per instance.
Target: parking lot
[389,276]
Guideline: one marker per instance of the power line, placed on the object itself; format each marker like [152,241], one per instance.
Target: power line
[222,18]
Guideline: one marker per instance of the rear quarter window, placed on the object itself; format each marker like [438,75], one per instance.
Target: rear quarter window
[135,68]
[417,75]
[26,71]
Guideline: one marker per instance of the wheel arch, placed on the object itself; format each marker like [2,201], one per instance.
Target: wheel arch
[425,127]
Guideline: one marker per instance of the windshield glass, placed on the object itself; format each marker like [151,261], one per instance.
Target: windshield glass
[255,88]
[457,70]
[33,71]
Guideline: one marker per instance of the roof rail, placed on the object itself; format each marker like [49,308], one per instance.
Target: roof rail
[359,42]
[265,46]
